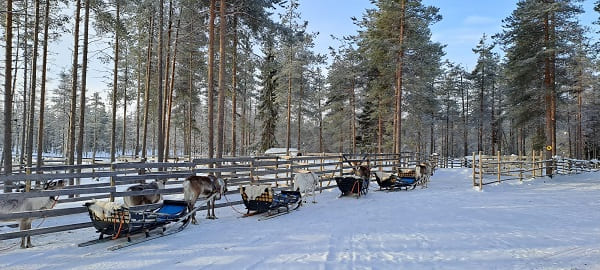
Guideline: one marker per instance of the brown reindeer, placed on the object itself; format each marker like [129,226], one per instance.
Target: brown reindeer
[208,187]
[8,206]
[364,171]
[423,172]
[144,199]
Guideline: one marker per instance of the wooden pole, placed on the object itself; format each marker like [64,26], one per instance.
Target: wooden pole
[113,181]
[498,155]
[473,165]
[480,172]
[321,182]
[28,181]
[533,162]
[521,161]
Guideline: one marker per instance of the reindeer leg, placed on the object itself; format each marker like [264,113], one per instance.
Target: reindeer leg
[213,209]
[26,241]
[208,210]
[193,216]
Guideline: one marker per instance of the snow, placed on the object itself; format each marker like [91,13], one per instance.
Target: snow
[537,224]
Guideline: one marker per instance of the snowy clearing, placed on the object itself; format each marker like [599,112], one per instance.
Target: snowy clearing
[538,224]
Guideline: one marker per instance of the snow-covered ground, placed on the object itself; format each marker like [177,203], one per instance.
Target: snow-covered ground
[538,224]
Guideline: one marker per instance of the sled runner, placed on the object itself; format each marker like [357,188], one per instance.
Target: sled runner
[261,198]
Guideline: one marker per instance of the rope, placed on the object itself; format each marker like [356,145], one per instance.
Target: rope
[357,185]
[230,205]
[121,221]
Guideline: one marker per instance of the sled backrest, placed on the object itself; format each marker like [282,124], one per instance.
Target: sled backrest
[257,192]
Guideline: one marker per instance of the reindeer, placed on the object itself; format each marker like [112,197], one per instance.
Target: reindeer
[209,187]
[8,206]
[423,172]
[364,171]
[307,183]
[145,199]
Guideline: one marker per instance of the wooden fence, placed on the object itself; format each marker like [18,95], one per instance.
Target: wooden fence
[499,168]
[109,181]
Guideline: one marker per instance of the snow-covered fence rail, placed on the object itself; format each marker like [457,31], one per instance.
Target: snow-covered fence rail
[109,181]
[519,167]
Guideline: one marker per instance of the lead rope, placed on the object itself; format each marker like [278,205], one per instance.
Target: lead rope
[121,221]
[51,207]
[230,205]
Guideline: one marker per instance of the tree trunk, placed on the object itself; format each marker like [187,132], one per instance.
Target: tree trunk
[171,87]
[40,143]
[147,88]
[113,132]
[549,95]
[464,117]
[190,108]
[8,97]
[221,97]
[25,87]
[353,123]
[299,117]
[481,90]
[234,89]
[166,87]
[379,125]
[72,112]
[211,63]
[31,115]
[136,150]
[160,110]
[82,98]
[399,71]
[126,83]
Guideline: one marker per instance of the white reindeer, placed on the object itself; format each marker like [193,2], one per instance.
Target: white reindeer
[8,206]
[306,182]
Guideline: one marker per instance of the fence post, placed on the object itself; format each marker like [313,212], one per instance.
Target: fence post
[277,171]
[322,169]
[28,181]
[533,162]
[113,181]
[521,161]
[341,165]
[252,171]
[480,172]
[473,166]
[498,155]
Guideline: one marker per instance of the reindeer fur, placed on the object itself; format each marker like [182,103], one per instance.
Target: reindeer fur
[208,187]
[306,183]
[8,206]
[144,199]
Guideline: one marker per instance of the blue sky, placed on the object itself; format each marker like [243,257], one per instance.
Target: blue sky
[463,23]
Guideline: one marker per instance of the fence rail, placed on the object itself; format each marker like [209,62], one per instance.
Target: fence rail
[102,181]
[501,168]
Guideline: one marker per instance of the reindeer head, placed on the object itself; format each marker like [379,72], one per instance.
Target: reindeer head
[52,185]
[221,185]
[363,171]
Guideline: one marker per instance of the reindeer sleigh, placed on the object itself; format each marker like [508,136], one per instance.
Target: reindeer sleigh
[260,199]
[356,184]
[405,179]
[118,221]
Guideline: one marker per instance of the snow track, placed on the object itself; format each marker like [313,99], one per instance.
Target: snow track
[537,224]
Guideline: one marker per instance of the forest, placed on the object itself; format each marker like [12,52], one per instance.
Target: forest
[217,78]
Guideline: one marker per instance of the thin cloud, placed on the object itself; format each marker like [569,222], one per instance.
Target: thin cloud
[478,20]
